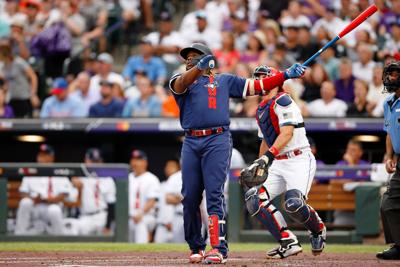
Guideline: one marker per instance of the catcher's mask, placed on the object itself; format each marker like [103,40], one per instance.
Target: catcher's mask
[390,82]
[263,70]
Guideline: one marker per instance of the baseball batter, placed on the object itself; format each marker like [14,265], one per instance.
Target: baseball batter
[286,151]
[203,100]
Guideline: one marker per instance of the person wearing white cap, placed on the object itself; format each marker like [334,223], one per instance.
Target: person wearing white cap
[104,72]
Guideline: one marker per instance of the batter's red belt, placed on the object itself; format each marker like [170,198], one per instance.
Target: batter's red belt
[204,132]
[289,154]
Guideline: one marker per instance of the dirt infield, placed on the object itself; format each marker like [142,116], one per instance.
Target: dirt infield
[242,259]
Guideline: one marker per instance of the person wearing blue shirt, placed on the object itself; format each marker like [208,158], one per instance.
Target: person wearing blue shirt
[108,106]
[61,104]
[145,105]
[390,207]
[203,100]
[153,66]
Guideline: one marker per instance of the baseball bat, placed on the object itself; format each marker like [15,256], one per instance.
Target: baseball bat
[352,25]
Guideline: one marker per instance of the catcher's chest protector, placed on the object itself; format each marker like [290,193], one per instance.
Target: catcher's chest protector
[267,119]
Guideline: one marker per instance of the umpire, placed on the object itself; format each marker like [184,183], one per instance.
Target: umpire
[390,209]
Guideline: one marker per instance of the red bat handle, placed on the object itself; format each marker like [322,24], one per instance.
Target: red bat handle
[357,21]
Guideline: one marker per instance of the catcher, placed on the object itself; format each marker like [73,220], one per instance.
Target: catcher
[285,164]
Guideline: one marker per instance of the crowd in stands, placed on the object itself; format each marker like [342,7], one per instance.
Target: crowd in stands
[60,58]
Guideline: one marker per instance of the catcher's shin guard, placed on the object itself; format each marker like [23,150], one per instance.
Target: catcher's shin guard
[257,203]
[299,211]
[216,228]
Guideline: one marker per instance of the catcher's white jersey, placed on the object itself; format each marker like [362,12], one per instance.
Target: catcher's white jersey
[288,115]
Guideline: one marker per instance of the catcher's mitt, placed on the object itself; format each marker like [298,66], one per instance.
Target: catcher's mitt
[253,175]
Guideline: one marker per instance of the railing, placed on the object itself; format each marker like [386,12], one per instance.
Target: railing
[118,171]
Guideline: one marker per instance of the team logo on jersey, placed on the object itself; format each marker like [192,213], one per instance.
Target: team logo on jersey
[212,85]
[212,93]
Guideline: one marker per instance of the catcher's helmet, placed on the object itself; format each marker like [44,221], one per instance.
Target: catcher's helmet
[197,47]
[264,70]
[391,85]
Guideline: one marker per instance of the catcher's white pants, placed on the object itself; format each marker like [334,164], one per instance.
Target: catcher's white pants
[39,218]
[293,173]
[139,232]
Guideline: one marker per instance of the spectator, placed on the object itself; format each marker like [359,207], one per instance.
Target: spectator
[97,196]
[360,106]
[375,96]
[5,110]
[146,105]
[345,84]
[144,190]
[274,8]
[80,88]
[61,104]
[75,24]
[203,33]
[11,10]
[313,79]
[240,29]
[291,34]
[34,24]
[18,39]
[330,63]
[104,72]
[95,13]
[308,44]
[227,57]
[189,21]
[272,32]
[328,105]
[146,62]
[362,69]
[392,42]
[353,154]
[166,42]
[169,107]
[255,50]
[293,16]
[40,210]
[329,21]
[21,82]
[108,106]
[352,157]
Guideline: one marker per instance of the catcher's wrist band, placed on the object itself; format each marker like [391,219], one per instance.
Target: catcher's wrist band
[274,151]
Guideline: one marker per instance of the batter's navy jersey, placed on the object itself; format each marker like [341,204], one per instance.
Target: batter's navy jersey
[205,103]
[391,109]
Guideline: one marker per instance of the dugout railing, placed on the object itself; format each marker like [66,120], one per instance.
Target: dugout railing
[119,172]
[327,195]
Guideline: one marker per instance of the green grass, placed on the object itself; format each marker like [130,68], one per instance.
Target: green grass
[124,247]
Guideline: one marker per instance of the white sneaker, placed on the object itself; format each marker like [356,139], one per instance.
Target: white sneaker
[289,247]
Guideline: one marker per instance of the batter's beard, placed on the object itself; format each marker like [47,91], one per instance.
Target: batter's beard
[188,67]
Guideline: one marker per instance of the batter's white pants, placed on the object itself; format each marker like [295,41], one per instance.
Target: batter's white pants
[139,232]
[30,215]
[292,173]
